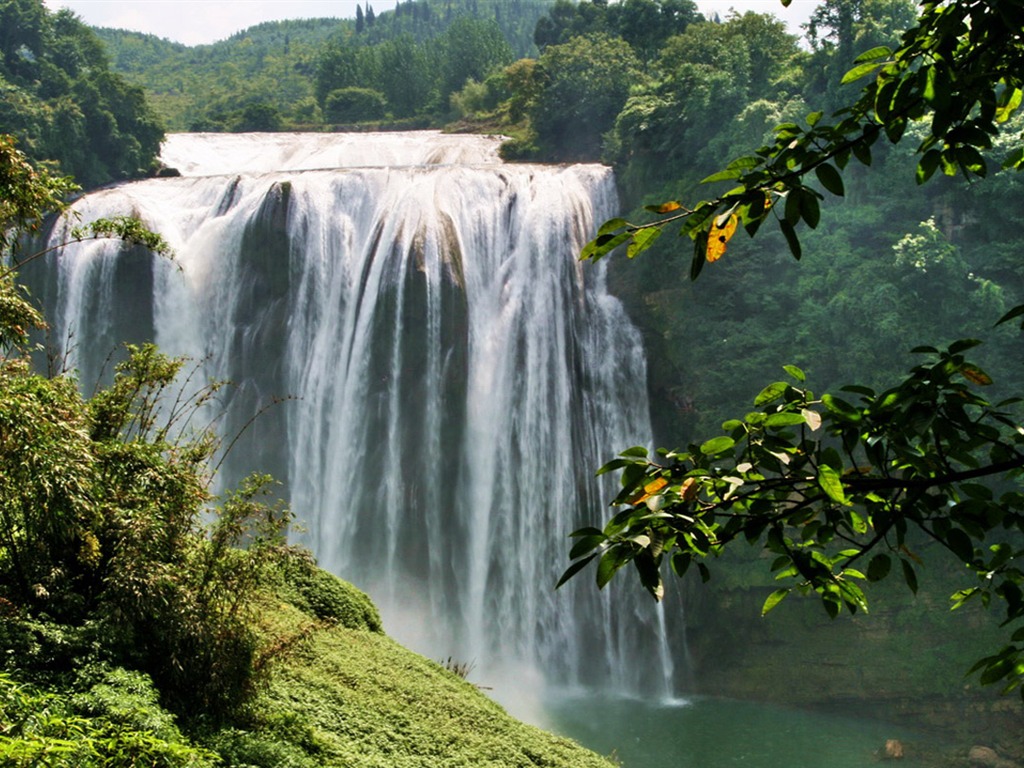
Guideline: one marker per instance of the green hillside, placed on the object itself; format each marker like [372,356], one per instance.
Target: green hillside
[272,76]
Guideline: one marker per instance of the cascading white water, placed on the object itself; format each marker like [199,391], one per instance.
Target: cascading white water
[456,374]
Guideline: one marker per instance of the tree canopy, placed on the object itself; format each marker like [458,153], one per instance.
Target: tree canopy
[846,488]
[62,101]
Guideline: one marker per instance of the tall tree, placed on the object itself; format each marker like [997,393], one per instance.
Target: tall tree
[584,84]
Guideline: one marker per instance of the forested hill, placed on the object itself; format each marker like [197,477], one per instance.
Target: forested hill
[64,104]
[278,75]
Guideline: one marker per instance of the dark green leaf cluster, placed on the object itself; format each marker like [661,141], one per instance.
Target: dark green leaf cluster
[115,723]
[838,491]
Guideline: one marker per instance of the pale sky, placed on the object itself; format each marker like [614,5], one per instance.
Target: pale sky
[205,21]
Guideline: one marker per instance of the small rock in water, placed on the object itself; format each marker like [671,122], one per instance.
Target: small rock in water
[893,750]
[986,757]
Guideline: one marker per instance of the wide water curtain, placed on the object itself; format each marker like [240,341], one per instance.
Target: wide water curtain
[452,374]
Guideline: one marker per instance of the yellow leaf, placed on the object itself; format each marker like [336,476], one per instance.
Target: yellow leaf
[975,375]
[649,490]
[689,489]
[656,485]
[668,207]
[718,236]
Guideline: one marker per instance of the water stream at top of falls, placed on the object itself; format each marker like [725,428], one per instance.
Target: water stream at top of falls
[454,375]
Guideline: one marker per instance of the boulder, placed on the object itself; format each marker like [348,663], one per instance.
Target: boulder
[986,757]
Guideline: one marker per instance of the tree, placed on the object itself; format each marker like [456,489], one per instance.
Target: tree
[707,75]
[840,493]
[64,103]
[583,85]
[471,49]
[354,105]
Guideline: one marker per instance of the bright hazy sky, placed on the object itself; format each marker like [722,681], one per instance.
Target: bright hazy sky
[205,21]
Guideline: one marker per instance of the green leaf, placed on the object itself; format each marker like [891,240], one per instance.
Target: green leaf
[700,254]
[840,407]
[862,151]
[789,232]
[972,160]
[784,419]
[830,179]
[859,71]
[810,210]
[602,245]
[793,206]
[611,226]
[874,54]
[773,599]
[909,575]
[726,175]
[830,483]
[927,166]
[879,567]
[681,562]
[1015,159]
[960,544]
[612,465]
[853,595]
[573,569]
[745,163]
[771,393]
[1013,313]
[1009,101]
[637,451]
[717,445]
[642,240]
[795,372]
[611,562]
[586,544]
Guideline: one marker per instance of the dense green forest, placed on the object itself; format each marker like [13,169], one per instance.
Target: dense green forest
[653,88]
[59,96]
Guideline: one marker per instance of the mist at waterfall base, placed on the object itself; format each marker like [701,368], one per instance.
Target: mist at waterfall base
[421,361]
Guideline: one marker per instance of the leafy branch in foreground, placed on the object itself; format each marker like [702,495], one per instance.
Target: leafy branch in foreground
[960,67]
[840,493]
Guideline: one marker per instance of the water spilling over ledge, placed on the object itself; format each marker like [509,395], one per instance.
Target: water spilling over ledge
[455,374]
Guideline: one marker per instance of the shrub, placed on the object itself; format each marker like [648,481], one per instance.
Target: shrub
[354,105]
[325,596]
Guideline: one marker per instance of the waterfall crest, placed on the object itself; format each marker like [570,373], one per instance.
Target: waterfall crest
[455,374]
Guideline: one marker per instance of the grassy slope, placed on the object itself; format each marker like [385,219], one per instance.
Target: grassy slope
[369,702]
[346,695]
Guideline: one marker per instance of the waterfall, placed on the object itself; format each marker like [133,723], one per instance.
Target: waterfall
[447,375]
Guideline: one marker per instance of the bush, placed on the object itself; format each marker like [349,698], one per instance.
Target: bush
[322,594]
[354,105]
[117,724]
